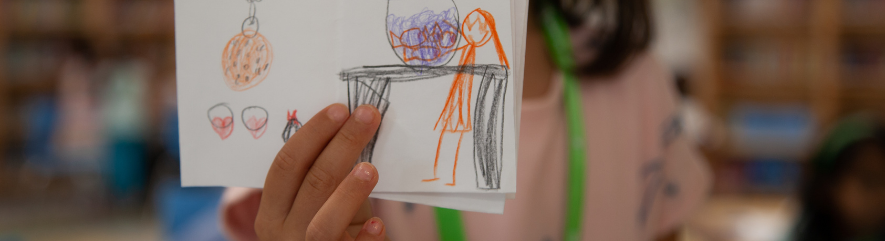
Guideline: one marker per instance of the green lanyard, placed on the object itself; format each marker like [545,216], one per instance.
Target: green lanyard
[556,32]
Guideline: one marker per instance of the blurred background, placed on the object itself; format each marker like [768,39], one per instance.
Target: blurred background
[88,126]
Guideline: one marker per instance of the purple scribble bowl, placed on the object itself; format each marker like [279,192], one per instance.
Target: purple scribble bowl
[423,33]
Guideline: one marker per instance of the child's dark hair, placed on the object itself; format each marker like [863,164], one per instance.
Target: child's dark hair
[820,218]
[631,32]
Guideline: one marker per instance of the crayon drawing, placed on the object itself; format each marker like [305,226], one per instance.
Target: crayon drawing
[425,41]
[256,122]
[425,38]
[222,119]
[478,29]
[292,125]
[247,57]
[436,70]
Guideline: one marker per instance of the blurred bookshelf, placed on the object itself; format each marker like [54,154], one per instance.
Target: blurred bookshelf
[39,37]
[4,108]
[788,66]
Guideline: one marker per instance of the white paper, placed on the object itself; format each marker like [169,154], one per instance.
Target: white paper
[203,30]
[312,43]
[520,20]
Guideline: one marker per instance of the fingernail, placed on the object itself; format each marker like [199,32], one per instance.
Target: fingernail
[364,114]
[374,226]
[337,113]
[364,171]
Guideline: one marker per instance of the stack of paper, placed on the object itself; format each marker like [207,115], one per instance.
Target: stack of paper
[446,74]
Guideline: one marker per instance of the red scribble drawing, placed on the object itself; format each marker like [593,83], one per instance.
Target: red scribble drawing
[222,120]
[248,56]
[257,122]
[292,125]
[478,29]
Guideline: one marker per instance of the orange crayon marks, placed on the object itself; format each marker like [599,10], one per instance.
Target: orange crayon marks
[246,60]
[478,29]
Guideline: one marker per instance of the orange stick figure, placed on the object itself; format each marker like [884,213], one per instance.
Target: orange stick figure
[478,29]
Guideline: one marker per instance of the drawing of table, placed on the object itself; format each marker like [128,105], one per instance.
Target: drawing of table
[372,85]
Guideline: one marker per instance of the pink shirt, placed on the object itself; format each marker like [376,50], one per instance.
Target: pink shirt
[643,178]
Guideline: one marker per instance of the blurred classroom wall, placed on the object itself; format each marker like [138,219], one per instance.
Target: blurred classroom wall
[88,126]
[765,80]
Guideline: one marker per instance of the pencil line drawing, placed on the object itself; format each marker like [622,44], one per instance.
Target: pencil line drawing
[248,56]
[257,122]
[292,125]
[222,119]
[425,42]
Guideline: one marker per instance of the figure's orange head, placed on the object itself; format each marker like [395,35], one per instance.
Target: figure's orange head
[477,27]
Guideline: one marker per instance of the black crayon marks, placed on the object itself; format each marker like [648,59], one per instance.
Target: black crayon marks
[222,119]
[292,125]
[256,123]
[372,85]
[488,131]
[426,37]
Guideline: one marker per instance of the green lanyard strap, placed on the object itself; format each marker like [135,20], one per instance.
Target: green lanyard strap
[556,33]
[449,224]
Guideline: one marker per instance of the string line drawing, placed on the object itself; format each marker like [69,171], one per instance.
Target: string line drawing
[222,119]
[292,125]
[248,56]
[257,122]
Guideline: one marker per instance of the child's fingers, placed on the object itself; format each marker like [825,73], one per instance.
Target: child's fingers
[332,166]
[294,160]
[373,230]
[338,211]
[364,214]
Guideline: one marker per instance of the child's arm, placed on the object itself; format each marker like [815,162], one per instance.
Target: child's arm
[239,207]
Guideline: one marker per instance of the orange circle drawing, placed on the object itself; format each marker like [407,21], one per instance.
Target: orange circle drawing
[246,60]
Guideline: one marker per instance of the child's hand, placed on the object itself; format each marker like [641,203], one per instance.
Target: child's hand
[311,193]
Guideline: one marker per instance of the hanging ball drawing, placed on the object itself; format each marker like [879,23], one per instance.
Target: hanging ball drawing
[247,58]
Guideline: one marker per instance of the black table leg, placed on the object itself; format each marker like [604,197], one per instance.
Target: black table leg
[371,85]
[488,131]
[369,91]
